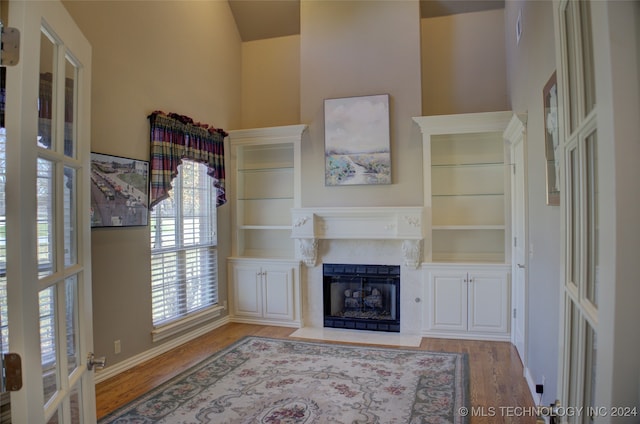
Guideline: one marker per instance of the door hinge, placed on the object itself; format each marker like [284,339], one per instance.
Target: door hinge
[9,46]
[514,313]
[515,242]
[11,380]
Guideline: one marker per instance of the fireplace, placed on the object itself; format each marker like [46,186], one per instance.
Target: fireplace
[362,297]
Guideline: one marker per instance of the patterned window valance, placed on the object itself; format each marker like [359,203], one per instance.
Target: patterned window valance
[175,137]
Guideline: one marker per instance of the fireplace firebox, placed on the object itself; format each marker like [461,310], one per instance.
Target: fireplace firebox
[362,297]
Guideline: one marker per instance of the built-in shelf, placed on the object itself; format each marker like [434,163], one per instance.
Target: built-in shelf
[265,227]
[465,165]
[466,179]
[266,166]
[467,227]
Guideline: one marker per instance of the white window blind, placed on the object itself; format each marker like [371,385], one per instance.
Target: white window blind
[184,260]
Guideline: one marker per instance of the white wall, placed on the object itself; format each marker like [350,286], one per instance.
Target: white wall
[463,63]
[271,82]
[181,57]
[356,48]
[530,64]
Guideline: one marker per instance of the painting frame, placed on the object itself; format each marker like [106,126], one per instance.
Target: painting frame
[357,140]
[119,191]
[551,140]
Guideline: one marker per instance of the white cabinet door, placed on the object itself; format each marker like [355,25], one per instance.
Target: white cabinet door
[467,301]
[265,291]
[488,302]
[278,292]
[448,305]
[247,290]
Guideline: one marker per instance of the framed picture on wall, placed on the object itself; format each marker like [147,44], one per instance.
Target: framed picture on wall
[551,140]
[119,191]
[357,140]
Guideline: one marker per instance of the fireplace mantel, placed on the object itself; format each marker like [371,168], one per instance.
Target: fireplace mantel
[359,223]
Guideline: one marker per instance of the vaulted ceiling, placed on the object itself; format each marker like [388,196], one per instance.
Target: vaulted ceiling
[260,19]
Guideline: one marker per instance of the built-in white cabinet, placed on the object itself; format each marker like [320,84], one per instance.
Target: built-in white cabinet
[466,187]
[265,291]
[464,301]
[467,251]
[264,187]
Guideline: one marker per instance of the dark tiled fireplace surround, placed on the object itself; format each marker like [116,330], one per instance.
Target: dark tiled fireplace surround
[361,297]
[362,235]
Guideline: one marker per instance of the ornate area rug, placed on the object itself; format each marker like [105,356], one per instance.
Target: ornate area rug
[276,381]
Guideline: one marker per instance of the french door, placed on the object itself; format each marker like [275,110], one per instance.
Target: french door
[579,205]
[46,187]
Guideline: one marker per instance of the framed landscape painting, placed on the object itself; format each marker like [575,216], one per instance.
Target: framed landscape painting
[119,191]
[356,140]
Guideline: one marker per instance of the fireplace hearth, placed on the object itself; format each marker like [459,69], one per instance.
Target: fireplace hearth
[362,297]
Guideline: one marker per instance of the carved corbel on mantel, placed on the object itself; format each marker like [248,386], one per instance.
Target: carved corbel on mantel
[412,252]
[308,251]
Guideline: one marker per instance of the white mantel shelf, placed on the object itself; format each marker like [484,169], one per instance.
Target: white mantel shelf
[359,223]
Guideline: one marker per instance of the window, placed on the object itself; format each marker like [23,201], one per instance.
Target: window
[183,249]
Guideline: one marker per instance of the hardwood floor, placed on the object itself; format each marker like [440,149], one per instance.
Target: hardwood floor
[498,390]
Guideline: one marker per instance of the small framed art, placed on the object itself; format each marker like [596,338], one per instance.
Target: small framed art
[119,191]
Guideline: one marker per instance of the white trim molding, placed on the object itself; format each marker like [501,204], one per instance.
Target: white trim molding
[359,223]
[147,355]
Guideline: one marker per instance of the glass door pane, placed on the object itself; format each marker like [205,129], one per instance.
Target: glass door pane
[592,233]
[70,108]
[71,323]
[591,354]
[46,99]
[48,342]
[46,217]
[70,217]
[586,39]
[573,331]
[573,196]
[571,66]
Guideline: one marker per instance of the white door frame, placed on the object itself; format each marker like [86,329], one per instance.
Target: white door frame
[515,135]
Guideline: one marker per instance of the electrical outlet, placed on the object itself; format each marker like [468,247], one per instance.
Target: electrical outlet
[224,305]
[117,347]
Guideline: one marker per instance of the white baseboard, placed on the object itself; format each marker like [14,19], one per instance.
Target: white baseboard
[532,386]
[111,371]
[440,334]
